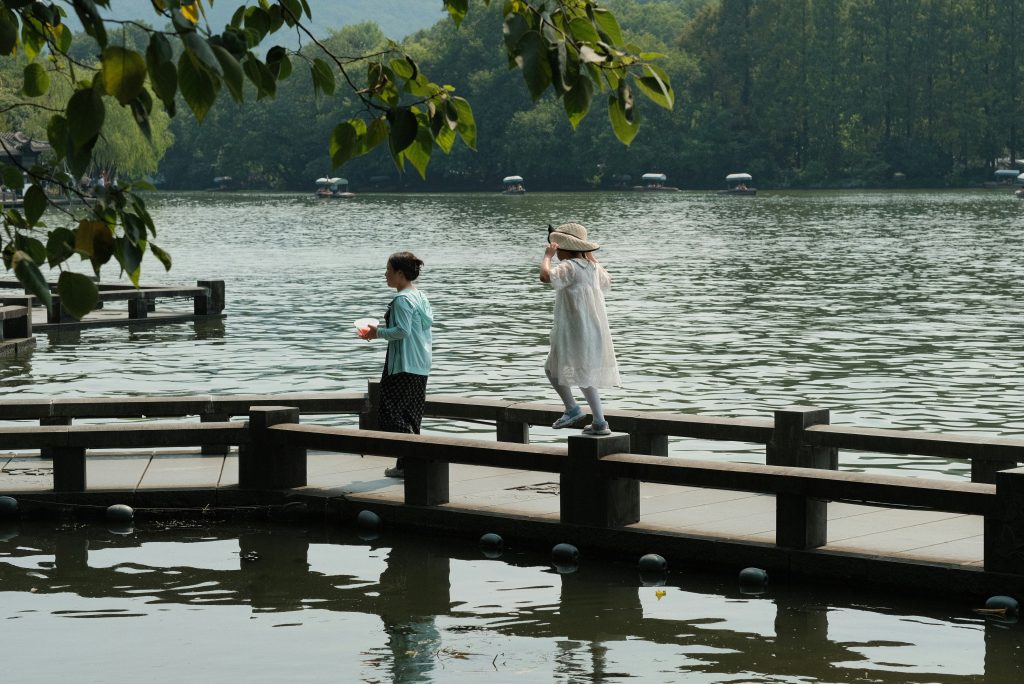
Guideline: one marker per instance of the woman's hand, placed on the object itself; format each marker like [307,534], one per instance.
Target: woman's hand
[551,249]
[369,334]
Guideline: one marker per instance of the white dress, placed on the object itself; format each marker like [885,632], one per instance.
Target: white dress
[582,353]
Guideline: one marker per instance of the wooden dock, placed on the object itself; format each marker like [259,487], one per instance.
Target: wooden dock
[206,302]
[795,515]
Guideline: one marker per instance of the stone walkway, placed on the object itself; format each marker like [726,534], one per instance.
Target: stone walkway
[908,535]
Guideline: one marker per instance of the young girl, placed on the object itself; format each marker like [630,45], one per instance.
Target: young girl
[403,384]
[581,352]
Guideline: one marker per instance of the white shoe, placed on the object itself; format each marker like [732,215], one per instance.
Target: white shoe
[597,429]
[569,418]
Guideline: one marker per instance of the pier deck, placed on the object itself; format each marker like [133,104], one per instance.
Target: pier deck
[917,536]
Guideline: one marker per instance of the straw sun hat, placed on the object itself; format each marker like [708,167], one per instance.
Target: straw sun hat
[572,237]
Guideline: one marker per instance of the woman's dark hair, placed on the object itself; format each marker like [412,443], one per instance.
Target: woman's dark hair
[407,263]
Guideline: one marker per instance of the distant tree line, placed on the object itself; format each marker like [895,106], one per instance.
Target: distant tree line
[799,93]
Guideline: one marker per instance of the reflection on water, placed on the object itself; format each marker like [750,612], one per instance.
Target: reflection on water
[260,604]
[892,309]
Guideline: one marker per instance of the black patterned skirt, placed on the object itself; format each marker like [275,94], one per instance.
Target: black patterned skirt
[402,396]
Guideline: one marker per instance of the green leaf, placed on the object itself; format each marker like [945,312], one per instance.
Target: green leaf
[261,77]
[85,114]
[78,293]
[124,73]
[656,86]
[577,101]
[129,255]
[163,77]
[532,58]
[201,52]
[37,81]
[233,77]
[625,121]
[29,275]
[344,143]
[31,246]
[8,31]
[94,241]
[376,133]
[161,255]
[60,245]
[403,128]
[607,26]
[12,177]
[79,157]
[418,153]
[197,87]
[583,31]
[467,124]
[323,77]
[457,9]
[294,12]
[35,204]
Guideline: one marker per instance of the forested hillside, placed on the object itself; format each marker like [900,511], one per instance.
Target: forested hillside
[800,93]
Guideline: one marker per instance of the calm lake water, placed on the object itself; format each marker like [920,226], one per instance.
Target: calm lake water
[892,309]
[231,604]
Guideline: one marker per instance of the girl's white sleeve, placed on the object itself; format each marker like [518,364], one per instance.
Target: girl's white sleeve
[562,274]
[603,279]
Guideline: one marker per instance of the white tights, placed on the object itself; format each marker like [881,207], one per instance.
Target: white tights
[589,393]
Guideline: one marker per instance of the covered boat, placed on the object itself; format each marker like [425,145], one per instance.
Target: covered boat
[513,185]
[333,188]
[655,182]
[1004,178]
[738,184]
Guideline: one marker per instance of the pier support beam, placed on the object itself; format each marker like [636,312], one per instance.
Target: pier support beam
[426,481]
[47,452]
[265,462]
[212,302]
[800,521]
[648,443]
[68,469]
[512,431]
[215,449]
[589,498]
[368,416]
[1004,527]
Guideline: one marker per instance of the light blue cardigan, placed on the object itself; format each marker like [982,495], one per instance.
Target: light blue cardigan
[409,337]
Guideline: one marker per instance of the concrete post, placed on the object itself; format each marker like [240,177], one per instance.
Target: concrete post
[57,313]
[368,416]
[800,521]
[137,308]
[512,431]
[266,462]
[68,469]
[587,497]
[426,482]
[213,302]
[47,452]
[648,443]
[984,470]
[1004,526]
[215,449]
[21,326]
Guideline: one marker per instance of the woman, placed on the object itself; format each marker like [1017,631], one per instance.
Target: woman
[582,353]
[403,384]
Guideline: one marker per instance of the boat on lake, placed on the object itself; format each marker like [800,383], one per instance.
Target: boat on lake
[513,185]
[1004,178]
[655,182]
[738,184]
[223,184]
[333,188]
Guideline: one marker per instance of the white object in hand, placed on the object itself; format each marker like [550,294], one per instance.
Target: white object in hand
[363,324]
